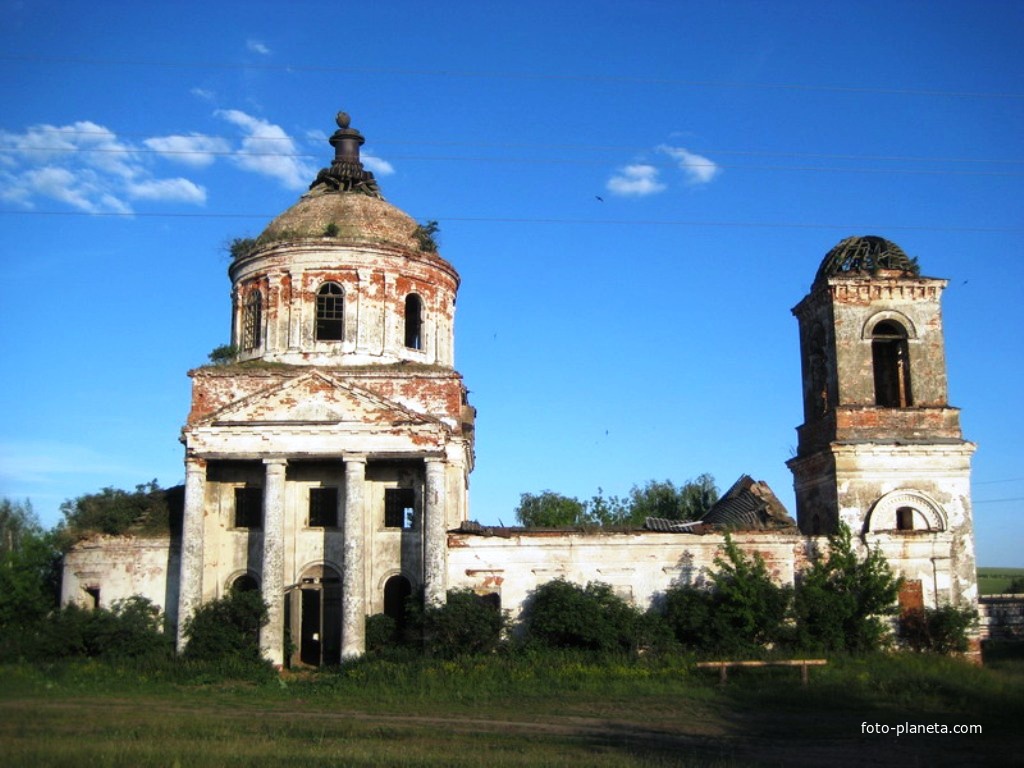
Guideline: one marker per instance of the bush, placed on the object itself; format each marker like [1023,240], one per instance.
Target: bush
[149,509]
[841,599]
[939,630]
[743,611]
[466,624]
[381,633]
[563,615]
[228,628]
[133,629]
[223,355]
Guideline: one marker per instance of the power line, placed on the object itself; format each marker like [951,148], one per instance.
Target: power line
[572,222]
[521,160]
[618,149]
[539,76]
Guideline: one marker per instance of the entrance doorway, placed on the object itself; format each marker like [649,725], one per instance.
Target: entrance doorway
[314,617]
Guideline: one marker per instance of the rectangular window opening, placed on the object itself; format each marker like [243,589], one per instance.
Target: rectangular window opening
[399,507]
[323,507]
[248,508]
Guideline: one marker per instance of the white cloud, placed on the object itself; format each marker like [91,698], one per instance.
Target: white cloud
[203,93]
[168,191]
[697,168]
[637,180]
[257,46]
[86,166]
[268,150]
[195,149]
[377,165]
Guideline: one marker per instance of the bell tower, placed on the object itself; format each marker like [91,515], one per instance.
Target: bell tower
[880,448]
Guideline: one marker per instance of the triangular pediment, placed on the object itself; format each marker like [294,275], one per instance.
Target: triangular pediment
[315,398]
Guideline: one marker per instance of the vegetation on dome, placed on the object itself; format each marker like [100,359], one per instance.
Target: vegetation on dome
[224,354]
[866,255]
[426,236]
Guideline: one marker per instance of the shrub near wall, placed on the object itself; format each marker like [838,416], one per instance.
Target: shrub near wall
[742,612]
[841,599]
[227,629]
[560,614]
[465,624]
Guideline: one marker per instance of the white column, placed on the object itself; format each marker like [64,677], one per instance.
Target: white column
[190,583]
[353,576]
[435,536]
[272,581]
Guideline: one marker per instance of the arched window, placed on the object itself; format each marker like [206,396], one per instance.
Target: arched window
[330,313]
[252,321]
[891,362]
[245,583]
[413,322]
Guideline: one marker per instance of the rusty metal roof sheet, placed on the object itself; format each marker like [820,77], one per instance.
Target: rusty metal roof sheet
[749,505]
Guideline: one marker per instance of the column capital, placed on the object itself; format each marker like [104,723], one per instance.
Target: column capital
[354,459]
[275,461]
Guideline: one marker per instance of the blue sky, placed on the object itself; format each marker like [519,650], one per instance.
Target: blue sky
[635,195]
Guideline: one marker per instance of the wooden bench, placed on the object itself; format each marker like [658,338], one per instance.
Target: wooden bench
[723,666]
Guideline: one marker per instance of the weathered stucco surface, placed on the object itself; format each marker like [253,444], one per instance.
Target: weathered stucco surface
[329,465]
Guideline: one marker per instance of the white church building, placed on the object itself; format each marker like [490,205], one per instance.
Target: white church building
[327,464]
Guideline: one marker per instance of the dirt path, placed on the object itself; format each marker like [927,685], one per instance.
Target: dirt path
[763,738]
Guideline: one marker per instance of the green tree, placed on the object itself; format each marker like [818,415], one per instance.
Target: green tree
[607,511]
[560,614]
[841,599]
[132,629]
[149,509]
[750,607]
[938,630]
[29,571]
[1016,586]
[665,499]
[17,521]
[548,509]
[466,624]
[742,611]
[228,628]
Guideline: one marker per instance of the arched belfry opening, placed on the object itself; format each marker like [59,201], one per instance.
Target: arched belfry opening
[890,362]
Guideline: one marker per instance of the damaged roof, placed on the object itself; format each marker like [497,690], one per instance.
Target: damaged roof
[749,505]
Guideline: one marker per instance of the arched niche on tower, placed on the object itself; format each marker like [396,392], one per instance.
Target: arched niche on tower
[904,511]
[888,316]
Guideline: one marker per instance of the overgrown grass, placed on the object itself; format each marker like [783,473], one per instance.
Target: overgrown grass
[521,709]
[994,581]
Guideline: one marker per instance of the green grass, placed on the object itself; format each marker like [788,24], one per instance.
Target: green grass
[553,710]
[993,581]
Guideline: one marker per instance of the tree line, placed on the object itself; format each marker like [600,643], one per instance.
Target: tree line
[662,499]
[842,603]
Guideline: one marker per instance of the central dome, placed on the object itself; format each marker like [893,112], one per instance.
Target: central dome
[866,255]
[348,217]
[344,203]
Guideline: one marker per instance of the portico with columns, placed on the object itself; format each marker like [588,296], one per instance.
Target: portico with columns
[328,458]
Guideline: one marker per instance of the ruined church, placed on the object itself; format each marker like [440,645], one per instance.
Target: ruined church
[327,464]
